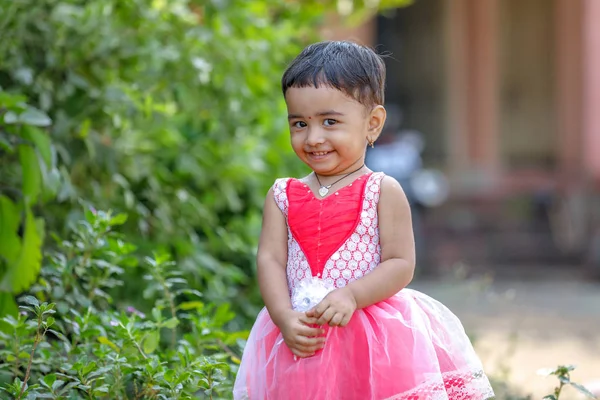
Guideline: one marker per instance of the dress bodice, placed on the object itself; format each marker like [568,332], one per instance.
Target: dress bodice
[335,238]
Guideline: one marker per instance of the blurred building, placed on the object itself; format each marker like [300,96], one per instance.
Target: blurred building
[507,96]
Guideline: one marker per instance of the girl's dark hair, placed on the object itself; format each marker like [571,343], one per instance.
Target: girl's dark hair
[354,69]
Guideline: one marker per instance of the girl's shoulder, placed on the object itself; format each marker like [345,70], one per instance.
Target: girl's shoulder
[386,182]
[391,192]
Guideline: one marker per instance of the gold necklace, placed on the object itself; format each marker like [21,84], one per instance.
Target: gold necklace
[323,190]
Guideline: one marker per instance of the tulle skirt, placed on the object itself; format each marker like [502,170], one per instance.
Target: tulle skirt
[409,347]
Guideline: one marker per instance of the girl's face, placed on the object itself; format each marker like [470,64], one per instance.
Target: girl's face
[329,130]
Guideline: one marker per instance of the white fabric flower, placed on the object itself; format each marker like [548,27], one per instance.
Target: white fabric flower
[309,292]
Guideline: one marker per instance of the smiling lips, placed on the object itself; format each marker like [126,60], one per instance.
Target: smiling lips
[318,154]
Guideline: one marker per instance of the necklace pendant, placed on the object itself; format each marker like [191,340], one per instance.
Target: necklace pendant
[323,191]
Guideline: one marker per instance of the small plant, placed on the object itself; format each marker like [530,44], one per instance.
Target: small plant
[71,341]
[563,373]
[23,328]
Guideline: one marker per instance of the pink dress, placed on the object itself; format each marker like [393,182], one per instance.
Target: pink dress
[407,347]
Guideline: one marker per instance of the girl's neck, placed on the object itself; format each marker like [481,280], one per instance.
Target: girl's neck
[352,168]
[329,180]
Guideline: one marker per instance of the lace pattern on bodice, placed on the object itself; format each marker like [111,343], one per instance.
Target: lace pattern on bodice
[356,256]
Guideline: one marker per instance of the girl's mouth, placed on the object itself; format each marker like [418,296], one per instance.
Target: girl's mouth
[319,154]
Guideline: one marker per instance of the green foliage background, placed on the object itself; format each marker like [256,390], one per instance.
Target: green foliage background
[169,112]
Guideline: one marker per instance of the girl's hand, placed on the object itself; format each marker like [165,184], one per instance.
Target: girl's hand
[335,309]
[299,334]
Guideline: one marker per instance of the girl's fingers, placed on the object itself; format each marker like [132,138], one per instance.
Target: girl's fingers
[326,316]
[309,341]
[302,354]
[308,320]
[309,349]
[336,320]
[320,308]
[346,320]
[308,331]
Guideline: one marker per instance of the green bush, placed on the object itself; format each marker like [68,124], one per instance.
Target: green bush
[170,111]
[77,342]
[27,177]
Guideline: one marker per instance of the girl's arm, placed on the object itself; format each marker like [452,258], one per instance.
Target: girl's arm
[301,338]
[272,259]
[393,273]
[397,241]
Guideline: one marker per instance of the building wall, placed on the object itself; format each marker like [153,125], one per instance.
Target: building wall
[506,91]
[527,85]
[591,88]
[509,93]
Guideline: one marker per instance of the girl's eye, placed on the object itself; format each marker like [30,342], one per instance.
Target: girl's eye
[330,122]
[299,124]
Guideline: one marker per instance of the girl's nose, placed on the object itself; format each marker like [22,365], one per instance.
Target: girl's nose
[315,137]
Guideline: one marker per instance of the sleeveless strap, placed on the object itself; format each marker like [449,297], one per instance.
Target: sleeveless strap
[373,190]
[280,194]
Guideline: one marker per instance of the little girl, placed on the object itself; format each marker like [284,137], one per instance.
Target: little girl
[335,255]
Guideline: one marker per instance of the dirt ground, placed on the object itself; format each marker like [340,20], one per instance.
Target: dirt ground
[522,326]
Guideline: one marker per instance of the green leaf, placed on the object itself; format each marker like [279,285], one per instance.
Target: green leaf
[41,140]
[31,300]
[50,321]
[85,128]
[8,306]
[170,375]
[183,377]
[101,390]
[171,323]
[10,243]
[564,369]
[11,118]
[49,380]
[191,305]
[583,390]
[58,334]
[118,219]
[550,397]
[32,175]
[564,379]
[89,368]
[106,341]
[223,314]
[35,117]
[57,385]
[6,145]
[150,343]
[22,273]
[30,309]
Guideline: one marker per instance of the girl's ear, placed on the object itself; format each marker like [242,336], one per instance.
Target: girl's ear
[376,122]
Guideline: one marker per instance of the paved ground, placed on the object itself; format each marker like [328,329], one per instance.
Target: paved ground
[521,326]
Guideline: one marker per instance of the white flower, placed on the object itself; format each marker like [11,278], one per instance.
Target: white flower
[309,292]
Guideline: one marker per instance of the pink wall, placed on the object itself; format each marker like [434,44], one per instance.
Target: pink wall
[591,87]
[569,85]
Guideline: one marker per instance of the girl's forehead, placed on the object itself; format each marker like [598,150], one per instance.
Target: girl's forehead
[318,98]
